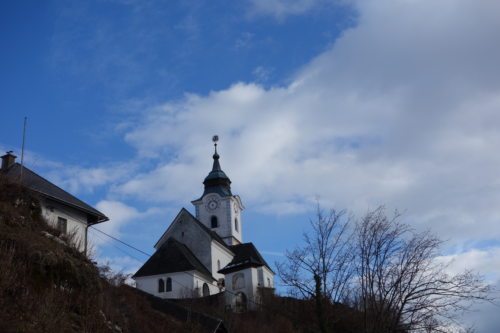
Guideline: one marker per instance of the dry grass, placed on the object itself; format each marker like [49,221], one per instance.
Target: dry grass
[46,286]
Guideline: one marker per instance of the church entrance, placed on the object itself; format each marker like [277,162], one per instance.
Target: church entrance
[240,302]
[206,290]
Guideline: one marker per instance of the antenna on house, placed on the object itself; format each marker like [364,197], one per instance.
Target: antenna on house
[22,148]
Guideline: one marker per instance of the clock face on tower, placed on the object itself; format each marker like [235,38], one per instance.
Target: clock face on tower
[212,204]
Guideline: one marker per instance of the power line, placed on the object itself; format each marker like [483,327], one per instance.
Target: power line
[118,240]
[181,284]
[118,248]
[132,247]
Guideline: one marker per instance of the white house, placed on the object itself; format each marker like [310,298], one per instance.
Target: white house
[59,208]
[204,254]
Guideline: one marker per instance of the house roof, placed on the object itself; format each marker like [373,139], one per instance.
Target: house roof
[172,257]
[211,233]
[37,183]
[246,255]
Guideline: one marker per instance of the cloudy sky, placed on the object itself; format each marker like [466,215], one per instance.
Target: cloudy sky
[354,103]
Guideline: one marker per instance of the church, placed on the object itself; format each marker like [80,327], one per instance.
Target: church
[203,255]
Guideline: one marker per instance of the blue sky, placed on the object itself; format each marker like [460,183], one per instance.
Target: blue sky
[82,72]
[359,103]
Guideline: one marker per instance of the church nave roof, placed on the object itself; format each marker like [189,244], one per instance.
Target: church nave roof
[172,257]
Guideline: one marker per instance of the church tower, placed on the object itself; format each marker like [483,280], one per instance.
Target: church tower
[218,209]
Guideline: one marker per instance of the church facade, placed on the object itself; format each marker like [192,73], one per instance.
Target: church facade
[204,254]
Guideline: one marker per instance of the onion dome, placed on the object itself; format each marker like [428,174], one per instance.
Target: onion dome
[217,181]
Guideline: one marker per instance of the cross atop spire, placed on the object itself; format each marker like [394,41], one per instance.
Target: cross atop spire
[216,165]
[215,139]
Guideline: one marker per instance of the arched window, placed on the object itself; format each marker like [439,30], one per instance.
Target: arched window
[213,221]
[218,265]
[161,286]
[169,284]
[238,281]
[268,282]
[236,226]
[206,290]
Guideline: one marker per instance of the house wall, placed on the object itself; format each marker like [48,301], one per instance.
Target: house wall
[76,220]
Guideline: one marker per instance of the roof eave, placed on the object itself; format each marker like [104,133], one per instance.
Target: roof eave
[100,217]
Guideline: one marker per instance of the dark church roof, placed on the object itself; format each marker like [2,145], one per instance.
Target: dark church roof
[172,257]
[245,255]
[217,181]
[37,183]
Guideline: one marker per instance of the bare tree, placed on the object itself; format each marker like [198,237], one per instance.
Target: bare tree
[402,287]
[322,268]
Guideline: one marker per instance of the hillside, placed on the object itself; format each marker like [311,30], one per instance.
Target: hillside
[47,286]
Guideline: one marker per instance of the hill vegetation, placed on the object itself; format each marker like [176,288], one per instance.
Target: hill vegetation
[47,286]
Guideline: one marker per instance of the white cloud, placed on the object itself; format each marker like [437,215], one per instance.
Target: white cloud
[125,264]
[402,111]
[119,215]
[484,261]
[280,9]
[262,74]
[484,316]
[77,179]
[244,40]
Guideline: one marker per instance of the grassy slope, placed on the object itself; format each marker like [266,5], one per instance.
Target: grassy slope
[46,286]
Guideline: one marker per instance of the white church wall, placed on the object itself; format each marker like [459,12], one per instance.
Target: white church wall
[199,281]
[182,284]
[219,255]
[225,213]
[268,277]
[235,209]
[244,281]
[186,231]
[205,214]
[76,221]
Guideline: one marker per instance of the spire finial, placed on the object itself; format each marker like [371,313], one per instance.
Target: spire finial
[217,181]
[215,139]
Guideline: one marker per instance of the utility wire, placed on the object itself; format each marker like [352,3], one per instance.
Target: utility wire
[181,284]
[118,248]
[149,255]
[118,240]
[134,248]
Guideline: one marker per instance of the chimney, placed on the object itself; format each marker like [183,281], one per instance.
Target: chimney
[8,160]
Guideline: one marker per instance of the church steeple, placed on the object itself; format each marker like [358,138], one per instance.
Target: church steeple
[218,209]
[217,181]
